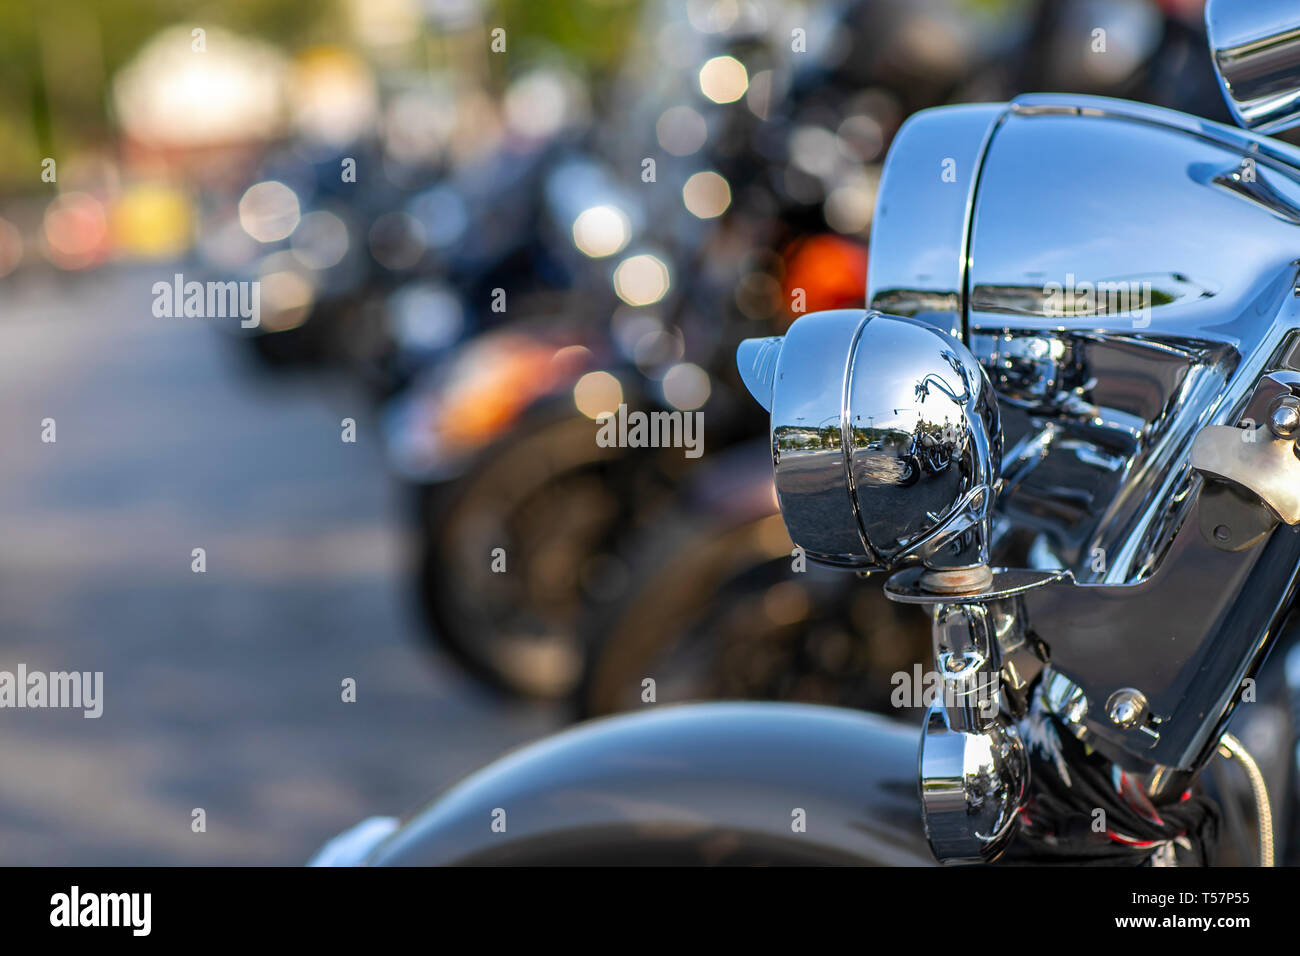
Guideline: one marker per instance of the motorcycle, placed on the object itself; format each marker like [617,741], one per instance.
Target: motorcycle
[516,630]
[832,651]
[721,607]
[785,193]
[1109,566]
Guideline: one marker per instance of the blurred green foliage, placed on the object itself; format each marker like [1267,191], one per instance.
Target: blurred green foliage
[594,32]
[58,57]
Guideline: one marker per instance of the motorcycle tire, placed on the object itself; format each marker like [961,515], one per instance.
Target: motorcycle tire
[913,472]
[555,503]
[719,613]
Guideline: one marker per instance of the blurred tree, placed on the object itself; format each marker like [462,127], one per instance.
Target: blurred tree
[592,31]
[57,58]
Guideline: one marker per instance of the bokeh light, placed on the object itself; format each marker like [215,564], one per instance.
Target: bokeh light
[724,79]
[332,95]
[601,231]
[597,394]
[233,92]
[852,203]
[542,102]
[681,130]
[641,280]
[153,221]
[76,231]
[686,386]
[426,316]
[286,294]
[269,211]
[706,195]
[321,240]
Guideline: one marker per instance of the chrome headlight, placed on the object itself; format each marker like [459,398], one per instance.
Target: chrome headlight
[886,441]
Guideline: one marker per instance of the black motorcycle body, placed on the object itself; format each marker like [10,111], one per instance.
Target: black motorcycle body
[821,786]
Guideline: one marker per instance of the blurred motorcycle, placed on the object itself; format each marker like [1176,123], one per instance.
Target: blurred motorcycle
[1109,567]
[626,644]
[725,608]
[560,514]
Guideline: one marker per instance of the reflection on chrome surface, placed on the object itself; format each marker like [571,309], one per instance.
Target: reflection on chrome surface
[1125,276]
[885,440]
[1256,52]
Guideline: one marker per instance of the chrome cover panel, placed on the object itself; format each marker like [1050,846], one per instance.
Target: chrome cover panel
[1115,395]
[922,220]
[1131,276]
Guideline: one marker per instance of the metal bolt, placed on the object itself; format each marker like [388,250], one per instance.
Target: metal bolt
[1284,418]
[1065,698]
[1126,708]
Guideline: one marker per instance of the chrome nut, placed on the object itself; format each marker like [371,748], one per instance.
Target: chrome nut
[1284,417]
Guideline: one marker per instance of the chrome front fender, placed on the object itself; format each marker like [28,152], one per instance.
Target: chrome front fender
[692,784]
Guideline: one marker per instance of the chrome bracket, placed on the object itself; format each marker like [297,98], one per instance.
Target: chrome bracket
[1259,457]
[974,770]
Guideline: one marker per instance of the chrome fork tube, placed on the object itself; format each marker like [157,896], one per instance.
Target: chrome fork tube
[974,772]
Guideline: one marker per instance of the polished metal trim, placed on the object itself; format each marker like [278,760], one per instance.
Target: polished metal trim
[1255,47]
[921,230]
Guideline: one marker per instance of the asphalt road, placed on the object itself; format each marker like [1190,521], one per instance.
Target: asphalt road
[221,690]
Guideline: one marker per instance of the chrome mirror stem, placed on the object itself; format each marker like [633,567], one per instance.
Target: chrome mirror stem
[1255,45]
